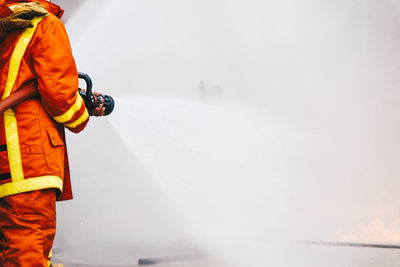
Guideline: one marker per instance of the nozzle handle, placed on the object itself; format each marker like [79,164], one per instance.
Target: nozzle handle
[89,86]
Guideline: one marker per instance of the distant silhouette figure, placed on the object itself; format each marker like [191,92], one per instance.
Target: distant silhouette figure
[205,92]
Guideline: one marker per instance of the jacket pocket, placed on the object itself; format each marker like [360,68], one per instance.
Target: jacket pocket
[54,136]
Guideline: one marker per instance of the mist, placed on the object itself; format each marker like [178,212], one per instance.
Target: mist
[240,129]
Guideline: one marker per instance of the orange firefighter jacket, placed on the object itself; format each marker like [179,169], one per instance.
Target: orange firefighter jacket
[32,142]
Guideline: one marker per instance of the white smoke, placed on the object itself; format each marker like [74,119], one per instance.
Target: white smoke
[301,145]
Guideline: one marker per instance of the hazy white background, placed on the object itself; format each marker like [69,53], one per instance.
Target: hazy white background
[296,135]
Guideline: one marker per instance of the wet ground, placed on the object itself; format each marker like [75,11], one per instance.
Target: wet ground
[201,263]
[278,256]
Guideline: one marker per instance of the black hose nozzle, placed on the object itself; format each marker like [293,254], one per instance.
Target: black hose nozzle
[93,101]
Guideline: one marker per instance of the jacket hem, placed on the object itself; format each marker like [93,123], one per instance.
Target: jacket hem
[31,184]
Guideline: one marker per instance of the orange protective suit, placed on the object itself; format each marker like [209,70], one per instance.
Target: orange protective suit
[33,158]
[27,228]
[49,66]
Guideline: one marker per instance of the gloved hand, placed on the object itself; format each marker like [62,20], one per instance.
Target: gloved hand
[100,110]
[28,10]
[21,16]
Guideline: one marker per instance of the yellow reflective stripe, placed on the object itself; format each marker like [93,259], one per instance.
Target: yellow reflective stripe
[18,53]
[10,121]
[31,184]
[14,155]
[67,116]
[81,119]
[49,258]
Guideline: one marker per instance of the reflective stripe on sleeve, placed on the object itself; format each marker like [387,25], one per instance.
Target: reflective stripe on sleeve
[81,119]
[67,116]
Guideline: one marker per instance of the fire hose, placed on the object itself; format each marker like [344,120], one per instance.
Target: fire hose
[17,98]
[92,101]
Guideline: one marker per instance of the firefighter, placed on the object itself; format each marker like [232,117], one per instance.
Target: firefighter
[34,172]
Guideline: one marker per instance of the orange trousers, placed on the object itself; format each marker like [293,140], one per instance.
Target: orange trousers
[27,228]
